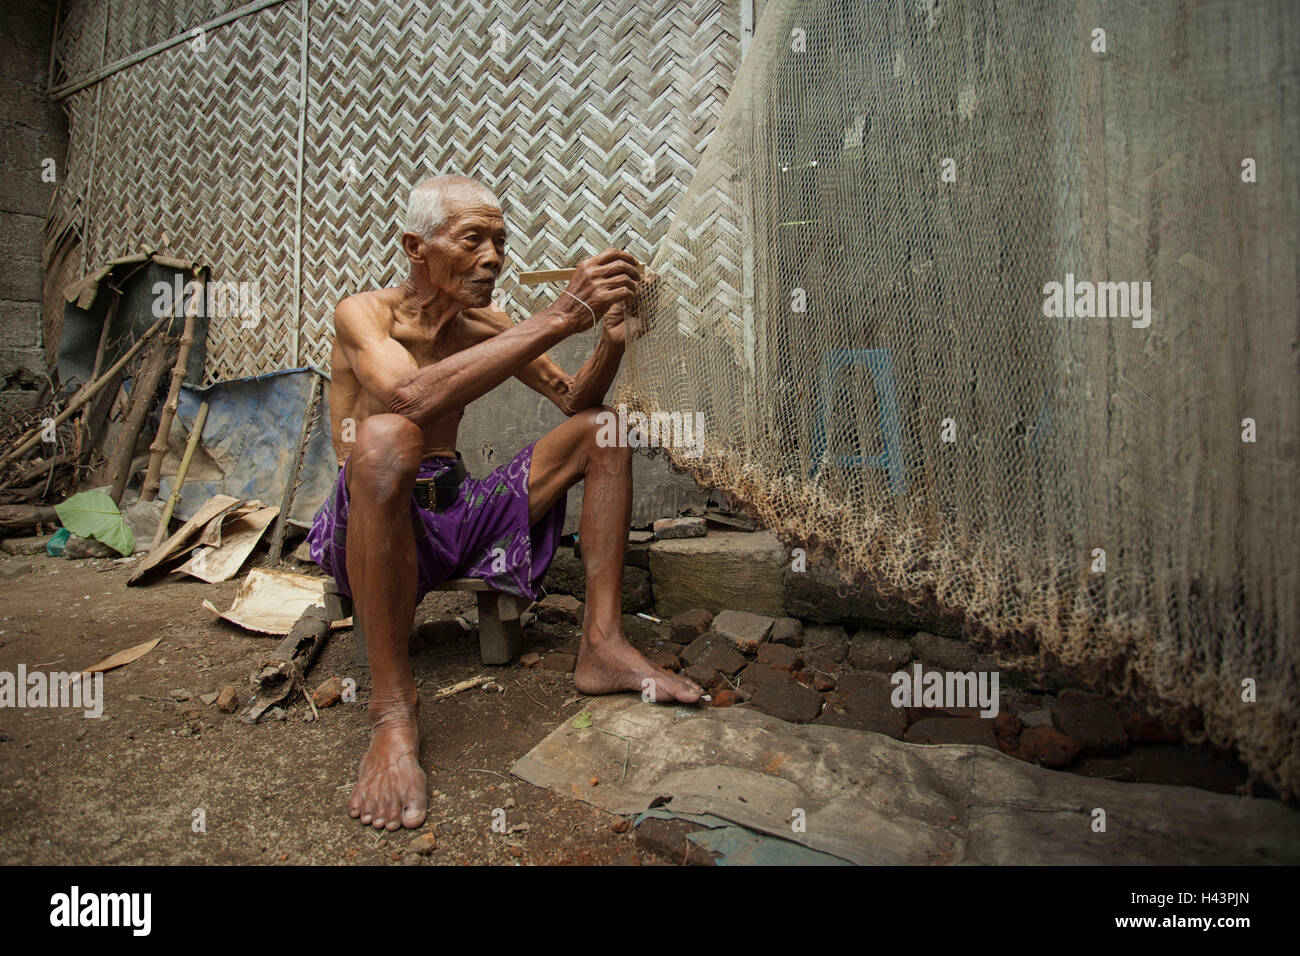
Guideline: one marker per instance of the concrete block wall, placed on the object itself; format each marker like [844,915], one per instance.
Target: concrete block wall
[32,130]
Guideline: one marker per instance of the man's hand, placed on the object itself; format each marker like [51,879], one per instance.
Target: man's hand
[627,323]
[605,280]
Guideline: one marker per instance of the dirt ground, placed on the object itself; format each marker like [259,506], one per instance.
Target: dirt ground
[124,788]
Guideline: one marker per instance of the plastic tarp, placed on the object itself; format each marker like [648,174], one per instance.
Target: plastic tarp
[249,441]
[83,317]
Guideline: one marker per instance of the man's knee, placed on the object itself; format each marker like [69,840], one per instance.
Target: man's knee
[600,426]
[386,457]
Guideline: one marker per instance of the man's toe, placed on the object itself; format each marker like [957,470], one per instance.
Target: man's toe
[413,814]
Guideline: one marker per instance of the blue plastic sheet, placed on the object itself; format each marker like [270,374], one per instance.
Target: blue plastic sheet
[251,435]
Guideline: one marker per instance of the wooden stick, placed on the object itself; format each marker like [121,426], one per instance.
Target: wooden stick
[291,485]
[21,517]
[87,392]
[82,430]
[174,498]
[35,471]
[149,490]
[146,386]
[555,275]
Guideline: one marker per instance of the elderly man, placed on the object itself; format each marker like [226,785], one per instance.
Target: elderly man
[404,516]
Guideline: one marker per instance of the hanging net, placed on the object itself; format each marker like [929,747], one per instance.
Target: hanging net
[996,307]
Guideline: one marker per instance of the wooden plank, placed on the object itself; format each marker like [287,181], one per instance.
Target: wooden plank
[546,275]
[555,275]
[464,584]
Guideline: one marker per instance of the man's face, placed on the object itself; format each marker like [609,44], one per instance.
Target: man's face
[465,256]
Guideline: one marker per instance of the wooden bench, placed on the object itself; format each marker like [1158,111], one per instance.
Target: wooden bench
[499,630]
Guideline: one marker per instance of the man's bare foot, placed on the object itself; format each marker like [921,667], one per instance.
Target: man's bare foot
[391,790]
[612,665]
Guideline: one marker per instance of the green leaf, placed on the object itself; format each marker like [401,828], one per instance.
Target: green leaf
[582,720]
[92,514]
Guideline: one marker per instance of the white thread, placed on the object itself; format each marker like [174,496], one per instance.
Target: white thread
[589,308]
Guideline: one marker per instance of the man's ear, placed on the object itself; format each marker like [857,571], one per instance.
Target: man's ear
[413,246]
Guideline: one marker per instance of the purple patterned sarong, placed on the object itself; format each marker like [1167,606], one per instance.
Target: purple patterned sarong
[485,534]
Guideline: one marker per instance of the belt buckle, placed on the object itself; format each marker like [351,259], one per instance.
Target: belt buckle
[422,488]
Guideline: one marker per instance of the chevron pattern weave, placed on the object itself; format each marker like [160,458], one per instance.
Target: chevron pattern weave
[587,117]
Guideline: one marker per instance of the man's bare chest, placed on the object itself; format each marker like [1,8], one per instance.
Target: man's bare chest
[428,347]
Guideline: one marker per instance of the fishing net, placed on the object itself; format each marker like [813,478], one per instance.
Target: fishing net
[857,293]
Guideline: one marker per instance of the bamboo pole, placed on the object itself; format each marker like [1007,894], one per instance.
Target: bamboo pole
[146,386]
[174,498]
[87,392]
[295,470]
[149,490]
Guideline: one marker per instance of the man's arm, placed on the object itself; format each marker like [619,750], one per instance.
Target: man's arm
[425,394]
[570,394]
[388,372]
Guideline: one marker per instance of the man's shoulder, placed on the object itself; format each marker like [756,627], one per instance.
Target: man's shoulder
[372,307]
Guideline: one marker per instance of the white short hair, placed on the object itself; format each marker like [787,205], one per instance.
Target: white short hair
[426,211]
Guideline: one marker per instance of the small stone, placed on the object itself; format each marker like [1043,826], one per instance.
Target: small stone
[1006,725]
[1046,746]
[329,693]
[530,659]
[787,631]
[1141,727]
[693,651]
[874,710]
[515,851]
[666,528]
[87,548]
[1036,718]
[688,625]
[726,698]
[422,845]
[848,683]
[1077,695]
[621,825]
[24,545]
[722,658]
[830,640]
[780,656]
[559,609]
[743,629]
[228,699]
[706,677]
[943,652]
[210,698]
[951,730]
[560,662]
[1091,721]
[788,701]
[877,651]
[756,675]
[665,659]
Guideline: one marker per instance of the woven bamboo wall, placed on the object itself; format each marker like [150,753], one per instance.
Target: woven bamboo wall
[587,117]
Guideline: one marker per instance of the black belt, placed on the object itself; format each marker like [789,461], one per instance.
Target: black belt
[442,491]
